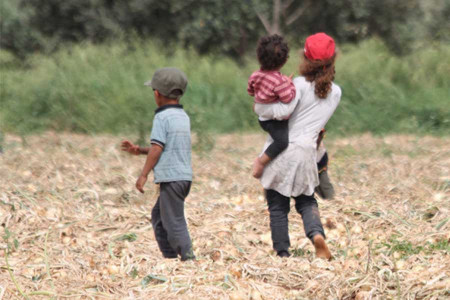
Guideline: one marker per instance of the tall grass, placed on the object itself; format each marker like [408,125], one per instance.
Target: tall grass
[93,89]
[384,93]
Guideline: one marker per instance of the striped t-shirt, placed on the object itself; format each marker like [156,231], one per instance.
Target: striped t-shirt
[172,131]
[270,86]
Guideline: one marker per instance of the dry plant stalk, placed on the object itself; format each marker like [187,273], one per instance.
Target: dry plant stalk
[83,232]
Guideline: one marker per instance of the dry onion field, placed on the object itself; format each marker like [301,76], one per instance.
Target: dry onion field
[74,227]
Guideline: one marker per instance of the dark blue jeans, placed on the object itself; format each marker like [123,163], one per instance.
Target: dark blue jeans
[279,207]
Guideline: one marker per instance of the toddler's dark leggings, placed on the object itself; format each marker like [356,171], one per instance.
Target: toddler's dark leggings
[279,207]
[279,131]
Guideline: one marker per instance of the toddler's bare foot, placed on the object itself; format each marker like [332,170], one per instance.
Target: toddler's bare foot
[258,168]
[322,250]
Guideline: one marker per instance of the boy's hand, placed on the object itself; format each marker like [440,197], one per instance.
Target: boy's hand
[129,147]
[140,183]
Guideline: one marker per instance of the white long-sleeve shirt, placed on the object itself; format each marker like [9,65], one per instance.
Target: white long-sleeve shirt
[294,171]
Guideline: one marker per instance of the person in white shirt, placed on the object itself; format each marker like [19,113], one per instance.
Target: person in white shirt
[294,173]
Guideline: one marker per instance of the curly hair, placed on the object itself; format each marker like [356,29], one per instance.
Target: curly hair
[272,52]
[321,72]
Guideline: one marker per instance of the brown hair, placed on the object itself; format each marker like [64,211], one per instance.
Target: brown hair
[272,52]
[321,72]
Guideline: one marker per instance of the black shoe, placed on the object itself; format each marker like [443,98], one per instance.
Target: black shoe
[283,253]
[188,255]
[188,258]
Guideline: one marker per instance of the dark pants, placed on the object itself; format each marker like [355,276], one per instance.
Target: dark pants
[279,131]
[279,207]
[168,221]
[325,189]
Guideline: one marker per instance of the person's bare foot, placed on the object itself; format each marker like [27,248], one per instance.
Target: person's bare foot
[322,250]
[258,168]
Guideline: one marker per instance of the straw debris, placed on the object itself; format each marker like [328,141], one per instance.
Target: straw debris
[74,227]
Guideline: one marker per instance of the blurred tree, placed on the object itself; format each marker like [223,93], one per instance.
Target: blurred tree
[396,22]
[72,21]
[283,13]
[229,27]
[436,19]
[345,20]
[17,35]
[226,27]
[211,26]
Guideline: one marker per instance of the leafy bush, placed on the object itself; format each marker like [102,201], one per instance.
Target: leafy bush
[385,93]
[229,27]
[91,89]
[17,35]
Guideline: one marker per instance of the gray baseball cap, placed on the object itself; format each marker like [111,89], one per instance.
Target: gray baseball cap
[167,81]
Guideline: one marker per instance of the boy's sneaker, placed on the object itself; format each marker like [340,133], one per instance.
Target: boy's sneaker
[188,258]
[283,253]
[170,255]
[188,255]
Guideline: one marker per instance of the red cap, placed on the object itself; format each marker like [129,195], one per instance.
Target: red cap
[319,46]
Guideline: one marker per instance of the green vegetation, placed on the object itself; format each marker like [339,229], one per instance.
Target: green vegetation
[406,248]
[229,27]
[384,93]
[99,88]
[79,65]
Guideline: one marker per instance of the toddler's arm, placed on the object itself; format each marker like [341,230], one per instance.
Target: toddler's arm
[152,158]
[275,111]
[285,106]
[250,88]
[286,90]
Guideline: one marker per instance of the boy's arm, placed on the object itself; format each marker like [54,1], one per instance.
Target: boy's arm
[143,150]
[152,158]
[129,147]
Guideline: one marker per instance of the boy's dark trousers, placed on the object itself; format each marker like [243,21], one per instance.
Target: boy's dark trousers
[169,223]
[279,207]
[279,131]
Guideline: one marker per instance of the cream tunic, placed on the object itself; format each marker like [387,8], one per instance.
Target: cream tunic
[294,171]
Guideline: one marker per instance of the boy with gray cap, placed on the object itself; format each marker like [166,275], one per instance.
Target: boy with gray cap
[170,159]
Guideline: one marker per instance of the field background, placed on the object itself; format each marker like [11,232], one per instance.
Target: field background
[78,229]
